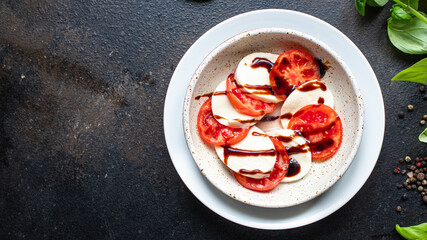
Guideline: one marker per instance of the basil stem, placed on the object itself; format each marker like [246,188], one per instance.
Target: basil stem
[413,11]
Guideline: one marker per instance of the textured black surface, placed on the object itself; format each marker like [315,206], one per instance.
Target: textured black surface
[82,150]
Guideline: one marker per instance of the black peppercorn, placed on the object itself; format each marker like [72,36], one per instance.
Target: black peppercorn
[401,115]
[405,196]
[405,184]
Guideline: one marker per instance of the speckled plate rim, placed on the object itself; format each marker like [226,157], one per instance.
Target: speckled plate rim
[343,190]
[187,124]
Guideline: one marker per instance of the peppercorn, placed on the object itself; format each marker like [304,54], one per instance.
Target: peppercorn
[422,122]
[425,199]
[420,176]
[400,115]
[410,107]
[420,188]
[401,160]
[395,171]
[405,196]
[417,159]
[408,187]
[412,179]
[425,117]
[416,171]
[422,89]
[424,182]
[399,208]
[423,194]
[399,186]
[405,184]
[408,159]
[418,164]
[413,186]
[403,172]
[412,167]
[418,183]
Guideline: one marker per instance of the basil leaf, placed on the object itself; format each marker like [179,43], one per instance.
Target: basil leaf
[415,73]
[413,232]
[360,6]
[409,37]
[377,3]
[423,137]
[399,15]
[412,3]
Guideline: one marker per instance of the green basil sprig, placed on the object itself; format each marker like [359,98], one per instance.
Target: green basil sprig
[417,232]
[406,28]
[423,137]
[415,73]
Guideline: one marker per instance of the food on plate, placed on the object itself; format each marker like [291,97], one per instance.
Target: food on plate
[299,153]
[291,69]
[284,96]
[312,92]
[253,76]
[244,103]
[277,174]
[321,126]
[224,112]
[215,133]
[254,156]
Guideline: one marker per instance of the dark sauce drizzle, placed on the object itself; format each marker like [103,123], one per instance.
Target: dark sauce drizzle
[297,149]
[312,86]
[321,145]
[321,100]
[262,62]
[260,89]
[229,151]
[294,168]
[256,171]
[286,115]
[269,118]
[322,67]
[210,94]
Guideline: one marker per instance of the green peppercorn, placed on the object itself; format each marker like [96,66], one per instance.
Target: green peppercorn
[420,188]
[424,182]
[422,122]
[410,107]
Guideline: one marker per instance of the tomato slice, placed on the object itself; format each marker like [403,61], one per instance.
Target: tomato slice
[214,132]
[245,104]
[313,118]
[279,172]
[325,144]
[322,127]
[291,69]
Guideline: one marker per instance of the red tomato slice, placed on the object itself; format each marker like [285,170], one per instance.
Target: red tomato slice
[245,104]
[291,69]
[325,144]
[313,118]
[214,132]
[279,172]
[322,127]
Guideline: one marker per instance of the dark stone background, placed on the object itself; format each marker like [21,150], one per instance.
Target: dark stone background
[82,151]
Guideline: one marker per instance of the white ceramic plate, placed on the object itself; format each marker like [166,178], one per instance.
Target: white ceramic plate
[340,82]
[336,196]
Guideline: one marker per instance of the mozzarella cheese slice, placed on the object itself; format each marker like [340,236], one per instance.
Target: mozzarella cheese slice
[254,78]
[225,113]
[298,151]
[312,92]
[253,157]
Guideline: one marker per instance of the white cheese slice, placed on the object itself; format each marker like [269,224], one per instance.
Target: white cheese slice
[292,140]
[300,98]
[225,113]
[253,157]
[255,80]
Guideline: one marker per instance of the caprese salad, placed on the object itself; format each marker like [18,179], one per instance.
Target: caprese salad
[284,90]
